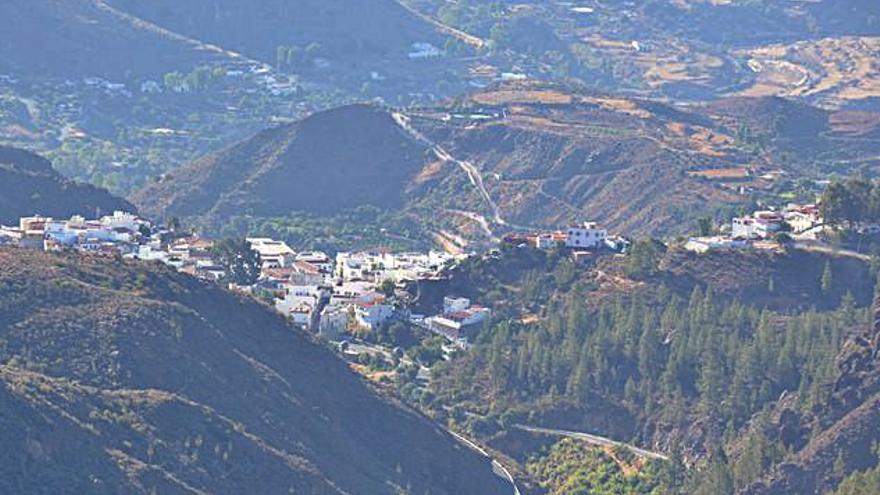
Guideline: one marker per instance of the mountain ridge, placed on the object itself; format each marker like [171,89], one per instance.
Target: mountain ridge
[531,154]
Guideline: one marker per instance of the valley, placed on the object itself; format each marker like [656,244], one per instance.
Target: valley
[415,247]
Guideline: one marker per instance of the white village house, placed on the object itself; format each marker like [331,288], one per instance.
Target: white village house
[273,254]
[587,235]
[760,225]
[372,310]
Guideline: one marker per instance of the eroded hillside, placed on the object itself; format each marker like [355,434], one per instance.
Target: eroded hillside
[522,155]
[123,377]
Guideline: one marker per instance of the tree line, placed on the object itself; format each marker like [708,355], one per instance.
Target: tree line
[851,202]
[669,361]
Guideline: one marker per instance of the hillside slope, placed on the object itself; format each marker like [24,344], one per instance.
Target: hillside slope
[526,154]
[347,31]
[128,378]
[29,185]
[844,429]
[75,38]
[333,160]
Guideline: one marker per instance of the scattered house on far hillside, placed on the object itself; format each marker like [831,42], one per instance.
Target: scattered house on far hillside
[805,221]
[151,87]
[378,267]
[300,314]
[305,273]
[513,76]
[455,304]
[584,237]
[318,259]
[460,320]
[587,235]
[280,275]
[349,292]
[714,243]
[191,248]
[423,49]
[548,240]
[545,241]
[301,303]
[13,235]
[334,322]
[759,225]
[581,257]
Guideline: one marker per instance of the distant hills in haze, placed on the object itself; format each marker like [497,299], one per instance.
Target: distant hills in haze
[76,38]
[120,38]
[352,32]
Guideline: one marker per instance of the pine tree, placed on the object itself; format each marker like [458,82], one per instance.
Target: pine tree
[827,279]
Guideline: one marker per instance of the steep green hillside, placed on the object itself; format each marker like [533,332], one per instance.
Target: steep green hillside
[29,185]
[760,386]
[127,378]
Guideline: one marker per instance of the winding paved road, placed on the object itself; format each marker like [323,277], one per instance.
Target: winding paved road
[476,179]
[593,439]
[831,250]
[499,469]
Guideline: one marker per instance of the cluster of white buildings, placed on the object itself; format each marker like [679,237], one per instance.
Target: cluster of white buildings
[802,222]
[395,267]
[300,282]
[310,288]
[586,236]
[334,296]
[191,255]
[120,233]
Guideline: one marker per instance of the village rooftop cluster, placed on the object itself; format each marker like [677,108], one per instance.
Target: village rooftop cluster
[332,296]
[764,229]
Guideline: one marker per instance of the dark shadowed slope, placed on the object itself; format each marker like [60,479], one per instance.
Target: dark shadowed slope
[128,378]
[29,185]
[359,32]
[74,38]
[330,161]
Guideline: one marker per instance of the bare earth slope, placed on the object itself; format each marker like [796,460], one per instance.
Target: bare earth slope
[517,155]
[128,378]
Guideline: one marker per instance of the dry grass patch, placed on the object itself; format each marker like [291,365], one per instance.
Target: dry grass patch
[733,173]
[507,97]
